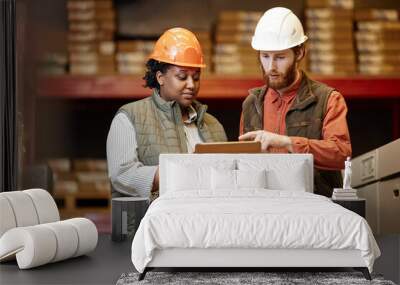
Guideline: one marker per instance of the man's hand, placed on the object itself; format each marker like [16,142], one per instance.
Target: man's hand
[268,139]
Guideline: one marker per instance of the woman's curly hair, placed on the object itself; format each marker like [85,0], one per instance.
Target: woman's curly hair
[153,66]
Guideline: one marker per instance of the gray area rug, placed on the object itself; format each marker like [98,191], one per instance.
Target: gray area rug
[229,278]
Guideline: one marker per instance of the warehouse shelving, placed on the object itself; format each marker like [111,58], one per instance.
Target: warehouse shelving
[366,89]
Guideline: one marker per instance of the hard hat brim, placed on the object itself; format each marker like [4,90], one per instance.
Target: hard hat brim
[265,47]
[180,63]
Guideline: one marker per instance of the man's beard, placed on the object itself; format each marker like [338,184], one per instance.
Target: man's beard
[285,80]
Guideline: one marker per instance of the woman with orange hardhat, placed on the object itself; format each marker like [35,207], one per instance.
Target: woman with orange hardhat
[168,121]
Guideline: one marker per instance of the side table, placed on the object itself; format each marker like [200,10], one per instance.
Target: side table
[355,205]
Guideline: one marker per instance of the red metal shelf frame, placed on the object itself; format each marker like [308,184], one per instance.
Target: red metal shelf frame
[212,87]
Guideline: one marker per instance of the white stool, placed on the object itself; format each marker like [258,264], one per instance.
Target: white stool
[31,231]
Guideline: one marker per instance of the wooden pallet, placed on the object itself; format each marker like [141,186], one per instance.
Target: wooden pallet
[68,203]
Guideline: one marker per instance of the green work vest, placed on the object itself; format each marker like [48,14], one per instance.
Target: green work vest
[303,119]
[159,127]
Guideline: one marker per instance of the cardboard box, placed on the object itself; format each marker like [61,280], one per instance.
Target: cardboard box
[83,69]
[372,37]
[379,59]
[239,27]
[82,37]
[97,186]
[233,48]
[248,60]
[132,46]
[90,165]
[335,24]
[374,69]
[243,16]
[376,14]
[82,47]
[132,57]
[83,57]
[131,69]
[376,164]
[335,47]
[59,164]
[378,26]
[332,69]
[65,187]
[329,13]
[91,176]
[64,176]
[330,35]
[89,4]
[234,38]
[330,56]
[346,4]
[366,47]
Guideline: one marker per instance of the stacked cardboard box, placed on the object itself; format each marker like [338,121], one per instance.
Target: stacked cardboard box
[330,45]
[80,176]
[343,4]
[91,36]
[132,56]
[53,63]
[378,41]
[63,178]
[206,43]
[233,53]
[91,175]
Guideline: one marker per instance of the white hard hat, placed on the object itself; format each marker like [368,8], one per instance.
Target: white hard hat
[278,29]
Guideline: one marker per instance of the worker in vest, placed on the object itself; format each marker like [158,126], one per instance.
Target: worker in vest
[292,113]
[168,121]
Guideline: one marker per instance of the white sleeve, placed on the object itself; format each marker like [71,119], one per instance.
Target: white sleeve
[127,174]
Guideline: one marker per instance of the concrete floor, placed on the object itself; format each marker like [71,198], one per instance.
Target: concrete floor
[102,266]
[110,259]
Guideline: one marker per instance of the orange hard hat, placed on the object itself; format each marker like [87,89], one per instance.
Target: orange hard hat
[178,46]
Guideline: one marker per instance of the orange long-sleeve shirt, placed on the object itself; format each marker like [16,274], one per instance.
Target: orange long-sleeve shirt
[331,151]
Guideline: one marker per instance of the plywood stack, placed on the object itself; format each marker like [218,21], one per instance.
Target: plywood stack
[91,36]
[206,43]
[233,53]
[132,56]
[378,41]
[329,26]
[80,186]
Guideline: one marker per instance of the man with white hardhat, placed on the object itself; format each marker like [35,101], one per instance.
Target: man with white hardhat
[291,112]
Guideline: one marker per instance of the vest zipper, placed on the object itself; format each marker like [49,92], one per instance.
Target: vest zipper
[177,122]
[199,124]
[257,108]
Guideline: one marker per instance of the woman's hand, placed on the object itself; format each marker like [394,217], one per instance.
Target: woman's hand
[268,139]
[156,181]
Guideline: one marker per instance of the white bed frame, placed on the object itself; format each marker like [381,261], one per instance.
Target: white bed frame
[256,258]
[250,257]
[234,257]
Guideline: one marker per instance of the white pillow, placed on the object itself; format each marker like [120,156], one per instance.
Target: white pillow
[188,176]
[226,179]
[223,179]
[281,175]
[251,178]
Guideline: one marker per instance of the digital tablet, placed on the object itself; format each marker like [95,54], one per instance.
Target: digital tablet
[228,147]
